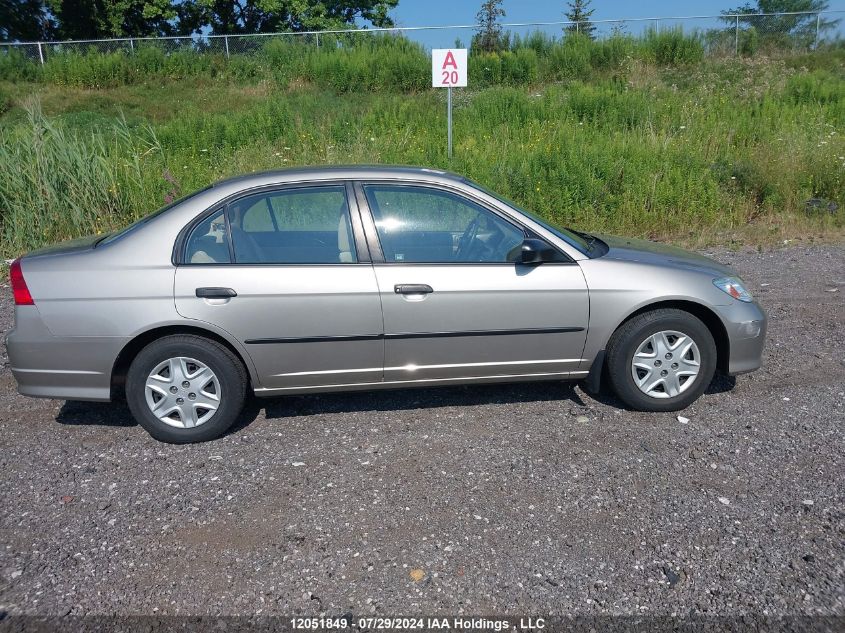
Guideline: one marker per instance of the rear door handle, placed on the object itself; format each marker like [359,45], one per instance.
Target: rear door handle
[412,289]
[216,293]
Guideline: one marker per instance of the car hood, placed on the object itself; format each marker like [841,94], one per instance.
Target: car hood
[632,250]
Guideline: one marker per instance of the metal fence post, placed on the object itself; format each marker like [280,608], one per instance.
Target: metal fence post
[657,26]
[318,40]
[818,29]
[132,45]
[736,38]
[40,53]
[226,44]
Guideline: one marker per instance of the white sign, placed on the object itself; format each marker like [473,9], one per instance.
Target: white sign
[449,67]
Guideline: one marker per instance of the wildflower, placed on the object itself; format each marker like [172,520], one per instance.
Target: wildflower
[683,127]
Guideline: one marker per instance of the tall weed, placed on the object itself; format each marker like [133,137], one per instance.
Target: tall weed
[57,185]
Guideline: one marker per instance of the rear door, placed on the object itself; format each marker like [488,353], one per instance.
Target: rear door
[456,305]
[282,271]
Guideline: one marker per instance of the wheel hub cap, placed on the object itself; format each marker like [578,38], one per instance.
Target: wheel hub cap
[666,364]
[182,392]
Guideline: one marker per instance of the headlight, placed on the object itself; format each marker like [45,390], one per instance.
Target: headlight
[734,287]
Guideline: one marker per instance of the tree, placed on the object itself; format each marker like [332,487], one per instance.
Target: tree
[799,27]
[268,16]
[489,37]
[92,19]
[25,20]
[580,13]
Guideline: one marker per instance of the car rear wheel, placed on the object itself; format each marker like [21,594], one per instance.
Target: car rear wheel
[185,388]
[661,360]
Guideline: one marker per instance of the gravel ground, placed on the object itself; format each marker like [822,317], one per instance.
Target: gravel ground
[525,499]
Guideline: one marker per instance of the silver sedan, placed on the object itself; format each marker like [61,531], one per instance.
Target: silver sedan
[333,279]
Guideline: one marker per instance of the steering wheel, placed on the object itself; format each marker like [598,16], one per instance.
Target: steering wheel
[466,240]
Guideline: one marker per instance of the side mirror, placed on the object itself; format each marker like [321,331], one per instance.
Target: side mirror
[536,251]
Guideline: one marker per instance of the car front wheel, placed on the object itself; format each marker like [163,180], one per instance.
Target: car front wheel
[185,388]
[661,360]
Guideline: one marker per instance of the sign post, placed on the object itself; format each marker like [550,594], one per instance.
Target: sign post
[449,70]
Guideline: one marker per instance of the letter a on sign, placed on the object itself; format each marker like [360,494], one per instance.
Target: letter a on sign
[449,67]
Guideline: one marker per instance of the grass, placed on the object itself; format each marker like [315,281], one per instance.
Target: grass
[351,63]
[664,145]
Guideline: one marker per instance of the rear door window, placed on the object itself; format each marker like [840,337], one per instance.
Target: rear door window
[303,225]
[309,225]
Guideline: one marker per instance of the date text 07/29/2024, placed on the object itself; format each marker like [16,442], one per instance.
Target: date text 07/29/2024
[458,623]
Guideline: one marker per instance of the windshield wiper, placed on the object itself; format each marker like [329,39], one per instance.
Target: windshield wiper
[591,239]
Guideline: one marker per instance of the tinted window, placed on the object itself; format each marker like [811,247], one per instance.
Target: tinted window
[208,242]
[421,224]
[294,226]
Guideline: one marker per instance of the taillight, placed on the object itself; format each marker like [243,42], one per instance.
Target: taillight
[21,292]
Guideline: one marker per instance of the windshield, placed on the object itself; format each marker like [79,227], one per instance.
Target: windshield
[574,239]
[116,236]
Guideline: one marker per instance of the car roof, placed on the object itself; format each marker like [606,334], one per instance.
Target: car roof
[352,172]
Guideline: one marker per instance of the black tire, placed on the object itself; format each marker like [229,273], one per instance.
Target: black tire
[625,341]
[230,373]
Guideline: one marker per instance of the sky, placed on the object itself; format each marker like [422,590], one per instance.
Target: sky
[428,12]
[449,12]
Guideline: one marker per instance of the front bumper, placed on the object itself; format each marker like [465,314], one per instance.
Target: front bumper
[68,368]
[746,325]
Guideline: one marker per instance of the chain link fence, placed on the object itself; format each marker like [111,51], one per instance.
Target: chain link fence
[722,35]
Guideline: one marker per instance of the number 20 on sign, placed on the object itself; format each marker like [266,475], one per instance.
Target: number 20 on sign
[449,70]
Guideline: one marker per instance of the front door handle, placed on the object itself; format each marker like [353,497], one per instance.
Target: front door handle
[412,289]
[216,293]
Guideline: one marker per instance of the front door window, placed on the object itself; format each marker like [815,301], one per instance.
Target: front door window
[424,225]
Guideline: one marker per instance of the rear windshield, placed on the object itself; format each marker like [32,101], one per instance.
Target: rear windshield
[138,223]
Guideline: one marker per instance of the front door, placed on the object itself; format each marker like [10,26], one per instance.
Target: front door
[280,271]
[455,303]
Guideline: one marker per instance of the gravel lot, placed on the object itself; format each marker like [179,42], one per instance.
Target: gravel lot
[522,500]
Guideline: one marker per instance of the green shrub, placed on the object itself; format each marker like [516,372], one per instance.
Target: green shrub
[610,53]
[818,87]
[5,101]
[485,69]
[538,41]
[602,106]
[15,66]
[749,42]
[520,67]
[570,58]
[92,69]
[672,47]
